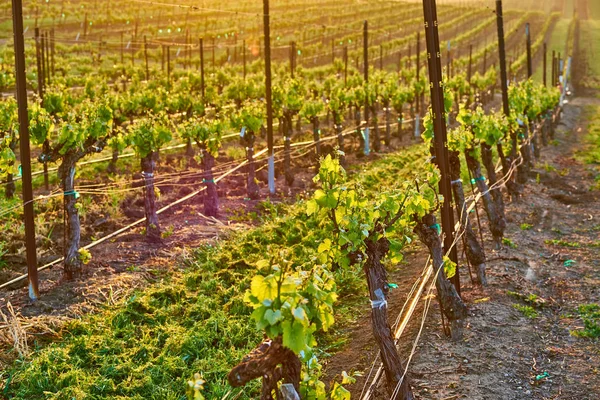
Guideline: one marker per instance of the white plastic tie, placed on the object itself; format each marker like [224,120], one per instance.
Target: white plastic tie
[456,181]
[381,302]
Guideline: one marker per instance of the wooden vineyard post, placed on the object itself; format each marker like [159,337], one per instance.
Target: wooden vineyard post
[381,57]
[418,97]
[470,69]
[100,48]
[122,61]
[146,58]
[510,184]
[38,57]
[366,77]
[43,59]
[21,89]
[528,36]
[345,65]
[484,60]
[52,51]
[292,50]
[545,66]
[244,57]
[201,50]
[558,68]
[47,52]
[162,58]
[85,24]
[169,66]
[187,49]
[213,52]
[271,162]
[553,80]
[440,137]
[332,51]
[131,49]
[41,89]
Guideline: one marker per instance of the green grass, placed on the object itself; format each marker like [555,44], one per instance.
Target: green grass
[527,311]
[194,322]
[508,242]
[590,314]
[557,43]
[562,243]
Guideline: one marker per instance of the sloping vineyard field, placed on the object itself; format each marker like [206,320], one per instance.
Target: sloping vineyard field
[371,248]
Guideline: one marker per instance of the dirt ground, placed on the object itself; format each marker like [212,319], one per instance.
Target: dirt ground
[504,354]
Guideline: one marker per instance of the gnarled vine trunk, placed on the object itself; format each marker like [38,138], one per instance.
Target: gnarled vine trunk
[272,362]
[523,169]
[189,148]
[496,221]
[152,226]
[112,164]
[211,199]
[452,305]
[378,288]
[514,189]
[475,253]
[488,162]
[73,264]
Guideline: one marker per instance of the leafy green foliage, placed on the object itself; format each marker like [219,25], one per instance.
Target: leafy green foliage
[293,303]
[150,134]
[91,121]
[251,116]
[206,132]
[311,109]
[355,216]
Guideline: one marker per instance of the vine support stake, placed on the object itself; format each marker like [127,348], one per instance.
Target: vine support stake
[146,58]
[269,99]
[504,87]
[21,88]
[470,70]
[528,38]
[439,126]
[292,52]
[201,50]
[345,65]
[243,56]
[169,67]
[553,80]
[545,68]
[366,77]
[132,51]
